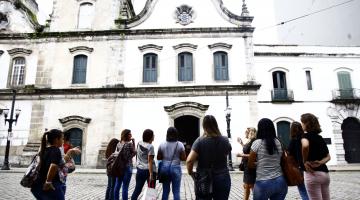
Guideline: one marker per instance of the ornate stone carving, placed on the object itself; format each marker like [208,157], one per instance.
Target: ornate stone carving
[4,22]
[185,45]
[81,48]
[74,118]
[15,51]
[184,15]
[188,104]
[220,45]
[150,46]
[1,52]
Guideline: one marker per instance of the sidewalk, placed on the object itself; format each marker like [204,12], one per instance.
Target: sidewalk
[80,170]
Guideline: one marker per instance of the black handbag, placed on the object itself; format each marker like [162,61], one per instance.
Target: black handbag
[32,172]
[203,179]
[242,165]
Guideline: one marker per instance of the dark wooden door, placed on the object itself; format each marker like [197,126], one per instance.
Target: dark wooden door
[351,136]
[283,131]
[75,138]
[189,130]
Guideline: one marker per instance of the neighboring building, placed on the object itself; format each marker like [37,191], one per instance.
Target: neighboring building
[98,67]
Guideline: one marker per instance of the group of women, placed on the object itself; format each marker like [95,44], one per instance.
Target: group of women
[262,156]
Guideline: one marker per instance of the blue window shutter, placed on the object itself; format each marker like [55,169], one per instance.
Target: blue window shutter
[185,67]
[221,66]
[150,67]
[79,73]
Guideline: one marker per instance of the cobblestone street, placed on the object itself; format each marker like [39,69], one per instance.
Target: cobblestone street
[344,185]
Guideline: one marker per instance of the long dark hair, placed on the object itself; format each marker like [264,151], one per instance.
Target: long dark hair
[311,123]
[125,135]
[296,130]
[49,137]
[172,134]
[210,126]
[266,131]
[111,147]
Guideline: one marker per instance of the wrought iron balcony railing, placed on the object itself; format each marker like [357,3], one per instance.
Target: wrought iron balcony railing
[282,95]
[346,94]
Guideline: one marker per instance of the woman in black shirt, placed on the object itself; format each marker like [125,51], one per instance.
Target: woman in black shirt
[315,156]
[48,185]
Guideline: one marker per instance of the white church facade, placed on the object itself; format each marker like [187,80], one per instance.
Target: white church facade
[98,67]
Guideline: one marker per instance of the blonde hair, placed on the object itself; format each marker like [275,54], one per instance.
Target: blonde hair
[252,132]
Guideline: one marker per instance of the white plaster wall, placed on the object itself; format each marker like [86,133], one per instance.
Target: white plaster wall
[66,13]
[6,62]
[206,15]
[203,73]
[22,128]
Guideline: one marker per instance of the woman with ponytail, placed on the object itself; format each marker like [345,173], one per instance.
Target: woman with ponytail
[48,185]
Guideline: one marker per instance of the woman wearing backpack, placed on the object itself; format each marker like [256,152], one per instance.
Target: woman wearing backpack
[126,148]
[211,151]
[48,185]
[172,152]
[146,169]
[111,147]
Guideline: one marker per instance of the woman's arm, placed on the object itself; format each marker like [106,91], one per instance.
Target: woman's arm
[159,155]
[242,155]
[50,176]
[182,156]
[305,154]
[252,160]
[323,161]
[190,161]
[151,160]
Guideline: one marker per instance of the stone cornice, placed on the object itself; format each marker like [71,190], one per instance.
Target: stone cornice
[150,46]
[185,45]
[81,48]
[220,45]
[304,54]
[134,92]
[133,34]
[15,51]
[186,104]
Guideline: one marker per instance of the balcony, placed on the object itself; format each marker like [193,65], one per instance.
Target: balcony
[346,95]
[282,95]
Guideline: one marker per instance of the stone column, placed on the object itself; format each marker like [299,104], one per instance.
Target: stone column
[249,60]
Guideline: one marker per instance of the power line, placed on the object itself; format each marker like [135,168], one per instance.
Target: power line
[307,15]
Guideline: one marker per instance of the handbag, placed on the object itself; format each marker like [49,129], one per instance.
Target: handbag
[203,179]
[149,194]
[242,165]
[32,172]
[291,169]
[164,170]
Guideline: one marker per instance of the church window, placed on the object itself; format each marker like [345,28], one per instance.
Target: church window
[18,72]
[308,80]
[86,14]
[221,65]
[185,66]
[150,67]
[79,72]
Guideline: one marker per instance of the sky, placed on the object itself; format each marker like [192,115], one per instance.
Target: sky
[332,25]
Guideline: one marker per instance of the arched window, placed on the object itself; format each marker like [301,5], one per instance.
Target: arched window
[221,65]
[279,79]
[18,72]
[185,66]
[150,67]
[283,131]
[86,15]
[345,85]
[79,72]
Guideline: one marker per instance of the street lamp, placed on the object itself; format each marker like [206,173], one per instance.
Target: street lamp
[228,115]
[10,121]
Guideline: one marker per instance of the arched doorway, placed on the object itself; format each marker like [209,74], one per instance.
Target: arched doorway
[351,136]
[283,131]
[189,129]
[75,136]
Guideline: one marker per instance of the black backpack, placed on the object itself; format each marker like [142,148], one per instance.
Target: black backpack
[116,163]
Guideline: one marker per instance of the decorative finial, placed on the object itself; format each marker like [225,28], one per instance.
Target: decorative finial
[244,11]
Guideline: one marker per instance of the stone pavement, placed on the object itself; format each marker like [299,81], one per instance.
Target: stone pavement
[90,184]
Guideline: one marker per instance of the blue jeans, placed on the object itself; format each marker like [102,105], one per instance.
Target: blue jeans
[302,191]
[142,175]
[221,186]
[40,194]
[125,181]
[273,189]
[110,188]
[175,180]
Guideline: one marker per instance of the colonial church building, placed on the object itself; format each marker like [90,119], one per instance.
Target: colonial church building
[98,67]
